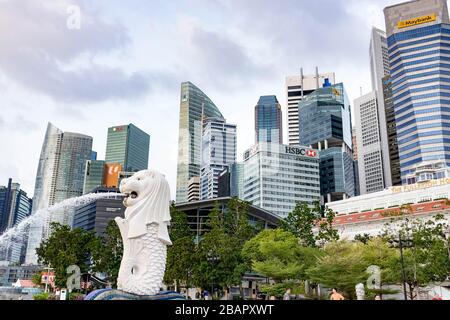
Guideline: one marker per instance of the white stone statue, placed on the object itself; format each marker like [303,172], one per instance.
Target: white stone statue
[144,232]
[360,292]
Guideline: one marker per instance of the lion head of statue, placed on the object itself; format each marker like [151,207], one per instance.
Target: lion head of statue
[147,200]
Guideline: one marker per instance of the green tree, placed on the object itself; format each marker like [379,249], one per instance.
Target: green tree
[37,279]
[364,238]
[181,254]
[378,252]
[426,250]
[108,252]
[219,261]
[341,266]
[276,254]
[303,220]
[66,247]
[326,231]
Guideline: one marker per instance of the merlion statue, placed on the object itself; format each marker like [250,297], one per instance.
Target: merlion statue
[145,240]
[144,232]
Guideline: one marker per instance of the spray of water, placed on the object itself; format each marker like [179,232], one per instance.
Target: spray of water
[40,215]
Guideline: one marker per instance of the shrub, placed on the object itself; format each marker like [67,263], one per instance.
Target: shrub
[76,296]
[41,296]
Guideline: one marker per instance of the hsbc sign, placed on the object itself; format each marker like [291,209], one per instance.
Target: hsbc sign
[301,151]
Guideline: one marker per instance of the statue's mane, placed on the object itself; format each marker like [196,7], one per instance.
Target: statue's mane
[154,207]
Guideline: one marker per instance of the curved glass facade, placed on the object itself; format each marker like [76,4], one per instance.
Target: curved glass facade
[194,105]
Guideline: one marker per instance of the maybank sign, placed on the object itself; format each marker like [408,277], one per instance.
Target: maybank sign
[416,21]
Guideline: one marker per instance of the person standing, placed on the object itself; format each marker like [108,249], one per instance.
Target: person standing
[287,295]
[336,295]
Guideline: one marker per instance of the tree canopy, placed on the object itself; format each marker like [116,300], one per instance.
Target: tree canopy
[66,247]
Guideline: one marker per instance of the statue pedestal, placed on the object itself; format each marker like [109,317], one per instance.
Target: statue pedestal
[114,294]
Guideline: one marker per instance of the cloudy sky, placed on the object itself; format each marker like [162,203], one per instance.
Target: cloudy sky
[126,62]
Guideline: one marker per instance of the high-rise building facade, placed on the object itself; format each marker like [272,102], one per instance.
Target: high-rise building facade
[355,161]
[268,120]
[60,175]
[325,124]
[231,181]
[379,58]
[276,177]
[418,42]
[93,175]
[368,142]
[394,159]
[14,207]
[129,146]
[194,189]
[297,87]
[96,215]
[218,151]
[194,107]
[379,69]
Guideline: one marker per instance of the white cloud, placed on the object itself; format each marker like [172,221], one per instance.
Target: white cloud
[126,62]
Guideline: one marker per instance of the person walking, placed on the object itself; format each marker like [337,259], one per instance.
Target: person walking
[336,295]
[287,295]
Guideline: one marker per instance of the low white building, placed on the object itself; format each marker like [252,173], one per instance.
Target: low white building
[369,213]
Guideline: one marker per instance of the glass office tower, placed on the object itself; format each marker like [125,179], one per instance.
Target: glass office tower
[14,207]
[268,120]
[218,151]
[129,146]
[325,124]
[93,176]
[276,177]
[194,107]
[418,34]
[60,176]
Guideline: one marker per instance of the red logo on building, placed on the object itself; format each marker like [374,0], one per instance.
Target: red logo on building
[311,153]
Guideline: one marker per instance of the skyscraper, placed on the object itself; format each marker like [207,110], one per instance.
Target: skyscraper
[96,215]
[276,177]
[417,34]
[129,146]
[297,87]
[218,151]
[194,107]
[325,124]
[60,175]
[379,64]
[355,162]
[14,207]
[268,120]
[379,58]
[391,128]
[93,175]
[368,141]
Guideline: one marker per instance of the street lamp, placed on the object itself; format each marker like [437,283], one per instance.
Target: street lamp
[402,243]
